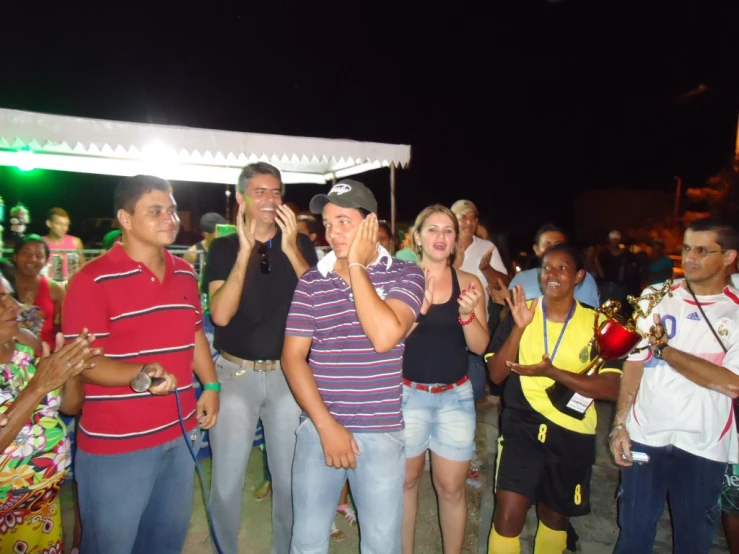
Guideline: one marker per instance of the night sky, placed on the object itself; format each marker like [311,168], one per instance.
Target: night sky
[517,105]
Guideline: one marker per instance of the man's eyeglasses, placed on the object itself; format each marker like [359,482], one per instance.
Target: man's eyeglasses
[699,251]
[264,264]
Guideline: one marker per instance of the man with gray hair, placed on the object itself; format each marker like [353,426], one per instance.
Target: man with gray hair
[250,277]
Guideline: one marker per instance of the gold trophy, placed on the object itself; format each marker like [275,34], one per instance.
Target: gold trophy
[613,339]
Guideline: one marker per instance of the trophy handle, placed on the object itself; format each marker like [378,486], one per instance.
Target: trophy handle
[595,364]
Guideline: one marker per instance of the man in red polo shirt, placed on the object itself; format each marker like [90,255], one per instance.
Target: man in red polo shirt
[133,466]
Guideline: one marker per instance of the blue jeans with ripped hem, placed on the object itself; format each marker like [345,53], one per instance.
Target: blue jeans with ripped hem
[693,485]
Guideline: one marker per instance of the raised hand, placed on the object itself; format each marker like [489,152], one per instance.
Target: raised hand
[521,313]
[500,294]
[246,237]
[363,249]
[485,260]
[288,224]
[468,299]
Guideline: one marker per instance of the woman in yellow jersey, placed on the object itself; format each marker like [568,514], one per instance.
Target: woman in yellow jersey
[547,444]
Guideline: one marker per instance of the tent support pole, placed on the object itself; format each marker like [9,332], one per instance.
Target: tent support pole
[392,203]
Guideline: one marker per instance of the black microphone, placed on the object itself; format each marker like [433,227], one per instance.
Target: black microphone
[143,382]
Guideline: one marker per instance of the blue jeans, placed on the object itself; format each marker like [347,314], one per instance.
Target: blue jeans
[138,502]
[693,485]
[245,399]
[376,484]
[478,375]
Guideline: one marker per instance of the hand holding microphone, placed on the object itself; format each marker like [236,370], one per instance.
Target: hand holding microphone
[154,379]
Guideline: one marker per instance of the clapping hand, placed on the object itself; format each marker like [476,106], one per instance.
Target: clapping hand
[485,260]
[499,295]
[521,313]
[246,236]
[288,224]
[468,299]
[67,361]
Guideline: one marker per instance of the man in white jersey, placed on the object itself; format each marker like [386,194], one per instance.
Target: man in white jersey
[675,401]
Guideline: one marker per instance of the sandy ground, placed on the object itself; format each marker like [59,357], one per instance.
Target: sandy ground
[598,531]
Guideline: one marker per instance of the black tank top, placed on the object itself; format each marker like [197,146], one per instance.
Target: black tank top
[436,352]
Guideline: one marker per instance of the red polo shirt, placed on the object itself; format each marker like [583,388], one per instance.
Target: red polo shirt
[136,319]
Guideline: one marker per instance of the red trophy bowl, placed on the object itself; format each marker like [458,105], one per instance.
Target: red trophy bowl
[614,340]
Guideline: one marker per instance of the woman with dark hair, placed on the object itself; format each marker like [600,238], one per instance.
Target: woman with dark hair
[32,288]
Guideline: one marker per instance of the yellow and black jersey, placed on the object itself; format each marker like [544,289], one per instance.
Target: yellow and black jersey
[528,394]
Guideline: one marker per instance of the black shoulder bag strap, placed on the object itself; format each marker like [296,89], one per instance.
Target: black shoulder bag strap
[715,334]
[708,322]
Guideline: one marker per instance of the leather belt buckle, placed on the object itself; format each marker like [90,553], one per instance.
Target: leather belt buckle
[264,365]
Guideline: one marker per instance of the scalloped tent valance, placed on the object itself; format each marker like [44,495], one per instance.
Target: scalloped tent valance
[83,145]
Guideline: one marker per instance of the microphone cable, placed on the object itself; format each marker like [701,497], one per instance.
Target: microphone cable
[201,474]
[141,383]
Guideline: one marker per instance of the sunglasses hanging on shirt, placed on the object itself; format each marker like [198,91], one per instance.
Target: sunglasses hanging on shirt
[265,266]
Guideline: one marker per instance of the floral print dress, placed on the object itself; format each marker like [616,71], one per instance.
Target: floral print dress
[32,468]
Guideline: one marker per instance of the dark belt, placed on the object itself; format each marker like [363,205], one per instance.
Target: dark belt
[254,365]
[435,389]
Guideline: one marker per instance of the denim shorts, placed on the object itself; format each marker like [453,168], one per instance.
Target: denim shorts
[442,422]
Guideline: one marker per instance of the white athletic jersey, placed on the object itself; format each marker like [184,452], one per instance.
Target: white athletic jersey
[672,410]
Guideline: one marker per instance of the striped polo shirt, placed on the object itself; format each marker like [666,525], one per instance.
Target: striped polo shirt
[361,388]
[137,319]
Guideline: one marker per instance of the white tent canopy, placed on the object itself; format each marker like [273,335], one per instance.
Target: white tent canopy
[64,143]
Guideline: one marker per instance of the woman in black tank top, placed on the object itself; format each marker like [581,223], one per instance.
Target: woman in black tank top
[438,404]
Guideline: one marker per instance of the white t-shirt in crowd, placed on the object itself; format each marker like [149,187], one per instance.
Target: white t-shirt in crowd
[471,263]
[735,280]
[672,410]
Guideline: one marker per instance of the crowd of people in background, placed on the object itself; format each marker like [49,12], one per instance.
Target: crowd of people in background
[360,354]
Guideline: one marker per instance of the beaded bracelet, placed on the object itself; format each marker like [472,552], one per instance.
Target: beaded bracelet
[470,320]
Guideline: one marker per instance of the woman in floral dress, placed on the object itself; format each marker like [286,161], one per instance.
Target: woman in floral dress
[34,448]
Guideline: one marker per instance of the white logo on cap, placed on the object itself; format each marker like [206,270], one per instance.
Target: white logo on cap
[340,189]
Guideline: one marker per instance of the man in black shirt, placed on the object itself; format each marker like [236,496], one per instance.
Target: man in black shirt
[250,277]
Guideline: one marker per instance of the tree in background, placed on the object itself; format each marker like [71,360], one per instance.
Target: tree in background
[719,196]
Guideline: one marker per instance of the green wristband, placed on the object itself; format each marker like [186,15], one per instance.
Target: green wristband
[213,386]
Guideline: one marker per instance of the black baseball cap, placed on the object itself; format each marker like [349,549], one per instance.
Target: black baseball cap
[347,193]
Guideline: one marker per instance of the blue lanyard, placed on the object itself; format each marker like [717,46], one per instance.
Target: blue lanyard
[561,333]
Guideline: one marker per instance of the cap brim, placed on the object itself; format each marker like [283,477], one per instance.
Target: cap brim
[319,202]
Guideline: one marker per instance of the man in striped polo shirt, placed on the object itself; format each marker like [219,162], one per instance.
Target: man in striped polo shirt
[133,466]
[351,313]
